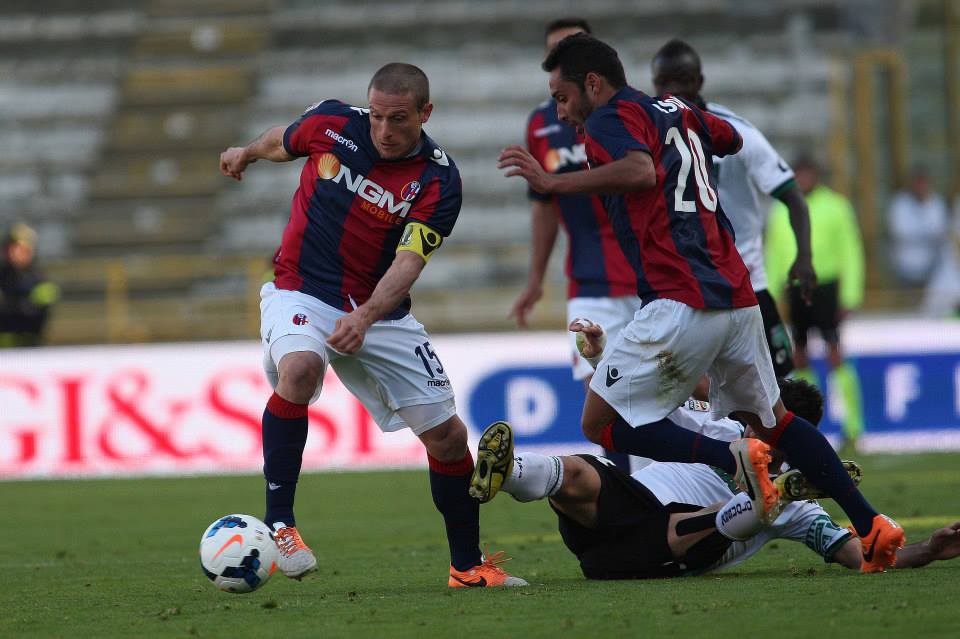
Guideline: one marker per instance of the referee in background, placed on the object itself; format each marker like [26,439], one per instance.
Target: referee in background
[838,261]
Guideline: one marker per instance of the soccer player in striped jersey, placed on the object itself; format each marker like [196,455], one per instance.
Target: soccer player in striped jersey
[600,283]
[746,183]
[649,159]
[375,200]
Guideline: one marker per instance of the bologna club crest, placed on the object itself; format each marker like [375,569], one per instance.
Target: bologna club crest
[300,319]
[410,191]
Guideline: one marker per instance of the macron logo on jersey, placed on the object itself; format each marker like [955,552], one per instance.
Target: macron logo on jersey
[329,167]
[347,142]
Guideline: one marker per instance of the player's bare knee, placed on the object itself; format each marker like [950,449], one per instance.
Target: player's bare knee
[577,484]
[300,373]
[597,413]
[593,431]
[446,442]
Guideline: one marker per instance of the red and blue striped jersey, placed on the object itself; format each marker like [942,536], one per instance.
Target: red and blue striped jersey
[595,264]
[675,235]
[348,214]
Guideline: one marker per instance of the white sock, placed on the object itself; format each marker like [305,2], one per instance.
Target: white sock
[534,476]
[737,520]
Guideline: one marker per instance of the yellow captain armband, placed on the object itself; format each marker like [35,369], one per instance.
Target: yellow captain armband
[420,239]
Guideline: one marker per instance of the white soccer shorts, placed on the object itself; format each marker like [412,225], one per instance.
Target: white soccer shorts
[611,313]
[394,371]
[654,364]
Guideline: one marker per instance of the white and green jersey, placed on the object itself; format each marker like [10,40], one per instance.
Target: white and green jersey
[747,180]
[701,485]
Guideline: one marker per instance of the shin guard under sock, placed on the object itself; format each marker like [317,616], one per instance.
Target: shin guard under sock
[808,450]
[449,484]
[284,437]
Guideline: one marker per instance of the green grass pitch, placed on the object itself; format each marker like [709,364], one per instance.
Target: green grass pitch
[118,558]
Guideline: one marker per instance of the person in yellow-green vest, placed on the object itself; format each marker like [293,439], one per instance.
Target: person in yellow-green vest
[838,260]
[26,296]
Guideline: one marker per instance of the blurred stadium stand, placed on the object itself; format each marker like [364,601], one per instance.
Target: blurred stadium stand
[113,117]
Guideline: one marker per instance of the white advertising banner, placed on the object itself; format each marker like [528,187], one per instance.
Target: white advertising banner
[195,408]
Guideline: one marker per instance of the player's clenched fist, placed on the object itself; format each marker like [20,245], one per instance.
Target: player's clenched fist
[234,161]
[519,162]
[348,334]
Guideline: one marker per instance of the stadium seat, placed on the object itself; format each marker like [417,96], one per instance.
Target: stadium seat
[127,104]
[160,86]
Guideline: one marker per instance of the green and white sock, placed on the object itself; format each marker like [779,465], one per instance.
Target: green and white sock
[845,379]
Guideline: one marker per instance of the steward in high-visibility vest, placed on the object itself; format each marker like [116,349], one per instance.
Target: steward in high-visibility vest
[26,296]
[838,260]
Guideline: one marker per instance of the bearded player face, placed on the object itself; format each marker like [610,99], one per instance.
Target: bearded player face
[573,103]
[396,122]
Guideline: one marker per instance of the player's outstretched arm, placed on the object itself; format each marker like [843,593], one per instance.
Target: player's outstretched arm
[634,172]
[269,146]
[393,288]
[942,545]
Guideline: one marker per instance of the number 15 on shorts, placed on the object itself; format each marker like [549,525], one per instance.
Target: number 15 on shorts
[427,358]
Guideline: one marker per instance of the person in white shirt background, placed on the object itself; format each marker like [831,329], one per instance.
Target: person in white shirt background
[917,223]
[942,295]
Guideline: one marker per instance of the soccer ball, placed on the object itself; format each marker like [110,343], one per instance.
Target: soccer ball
[238,553]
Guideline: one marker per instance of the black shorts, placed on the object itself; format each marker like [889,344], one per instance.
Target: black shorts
[777,338]
[630,540]
[823,314]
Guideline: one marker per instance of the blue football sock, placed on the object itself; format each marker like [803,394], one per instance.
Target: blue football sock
[806,449]
[449,484]
[665,441]
[284,437]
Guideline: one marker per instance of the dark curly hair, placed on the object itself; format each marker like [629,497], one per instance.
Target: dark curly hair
[580,54]
[802,398]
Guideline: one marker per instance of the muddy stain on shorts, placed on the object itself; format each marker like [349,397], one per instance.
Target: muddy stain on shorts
[671,375]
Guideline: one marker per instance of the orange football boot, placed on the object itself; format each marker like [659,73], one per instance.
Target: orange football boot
[753,477]
[486,575]
[881,544]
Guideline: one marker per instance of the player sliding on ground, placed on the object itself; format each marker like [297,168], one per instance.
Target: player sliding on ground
[376,198]
[671,519]
[649,161]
